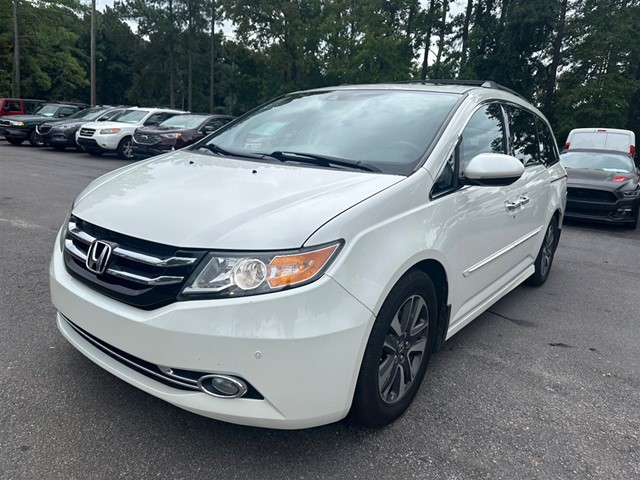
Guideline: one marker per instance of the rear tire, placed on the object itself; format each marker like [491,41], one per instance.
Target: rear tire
[544,260]
[35,139]
[59,148]
[398,351]
[15,141]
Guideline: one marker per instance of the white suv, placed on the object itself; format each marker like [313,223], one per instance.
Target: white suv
[305,260]
[115,136]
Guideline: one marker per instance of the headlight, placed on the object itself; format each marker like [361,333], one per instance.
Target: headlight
[236,275]
[15,123]
[632,194]
[171,135]
[109,131]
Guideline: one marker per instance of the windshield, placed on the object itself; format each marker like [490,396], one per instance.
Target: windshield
[387,129]
[184,121]
[47,110]
[132,116]
[604,161]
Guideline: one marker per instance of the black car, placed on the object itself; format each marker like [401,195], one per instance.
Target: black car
[18,128]
[175,132]
[602,185]
[62,133]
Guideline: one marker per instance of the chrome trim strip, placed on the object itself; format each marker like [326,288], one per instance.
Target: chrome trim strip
[123,359]
[553,180]
[154,261]
[169,373]
[161,280]
[79,234]
[501,252]
[75,251]
[133,255]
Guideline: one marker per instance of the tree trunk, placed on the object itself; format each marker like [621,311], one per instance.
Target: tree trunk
[549,96]
[93,53]
[213,58]
[427,40]
[465,35]
[172,70]
[190,61]
[443,25]
[16,51]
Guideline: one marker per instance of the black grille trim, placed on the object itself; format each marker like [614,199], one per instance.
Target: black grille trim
[591,195]
[140,273]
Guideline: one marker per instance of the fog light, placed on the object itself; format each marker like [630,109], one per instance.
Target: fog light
[222,386]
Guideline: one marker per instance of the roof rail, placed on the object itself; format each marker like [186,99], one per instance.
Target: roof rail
[470,83]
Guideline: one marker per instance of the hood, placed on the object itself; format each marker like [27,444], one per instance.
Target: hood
[67,121]
[578,177]
[196,200]
[25,118]
[123,125]
[155,130]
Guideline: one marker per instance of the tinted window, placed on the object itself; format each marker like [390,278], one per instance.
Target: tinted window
[184,121]
[12,107]
[216,123]
[448,178]
[483,134]
[548,146]
[523,137]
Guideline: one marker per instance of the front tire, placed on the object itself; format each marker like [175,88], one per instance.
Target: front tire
[398,351]
[544,260]
[125,149]
[15,141]
[35,139]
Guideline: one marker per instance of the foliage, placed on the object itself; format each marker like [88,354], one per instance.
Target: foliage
[579,58]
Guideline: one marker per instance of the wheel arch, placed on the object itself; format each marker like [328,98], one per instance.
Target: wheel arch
[438,275]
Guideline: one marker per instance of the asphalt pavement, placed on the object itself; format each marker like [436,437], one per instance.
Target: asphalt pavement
[546,385]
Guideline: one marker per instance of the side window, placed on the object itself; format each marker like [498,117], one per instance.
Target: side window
[12,107]
[214,124]
[448,178]
[523,137]
[66,111]
[483,134]
[548,147]
[156,119]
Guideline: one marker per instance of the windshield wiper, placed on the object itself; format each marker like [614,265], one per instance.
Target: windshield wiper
[213,148]
[322,160]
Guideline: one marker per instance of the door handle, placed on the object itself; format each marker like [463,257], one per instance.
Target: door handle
[512,206]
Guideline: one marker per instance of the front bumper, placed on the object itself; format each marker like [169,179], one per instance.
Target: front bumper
[17,133]
[145,151]
[60,138]
[99,142]
[300,349]
[621,211]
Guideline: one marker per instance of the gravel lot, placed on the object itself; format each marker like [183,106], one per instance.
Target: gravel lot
[544,386]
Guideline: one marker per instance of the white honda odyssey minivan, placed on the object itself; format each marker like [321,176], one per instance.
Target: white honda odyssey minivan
[304,261]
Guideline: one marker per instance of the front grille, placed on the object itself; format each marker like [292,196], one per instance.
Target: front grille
[173,377]
[43,129]
[140,273]
[87,132]
[4,123]
[590,195]
[589,212]
[146,139]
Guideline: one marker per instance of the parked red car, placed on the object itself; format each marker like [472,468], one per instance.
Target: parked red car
[18,106]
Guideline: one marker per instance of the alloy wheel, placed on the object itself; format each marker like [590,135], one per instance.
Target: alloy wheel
[403,349]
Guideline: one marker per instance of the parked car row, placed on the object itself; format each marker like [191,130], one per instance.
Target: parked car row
[130,132]
[603,180]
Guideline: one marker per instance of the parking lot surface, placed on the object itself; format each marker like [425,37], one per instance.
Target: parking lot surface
[544,385]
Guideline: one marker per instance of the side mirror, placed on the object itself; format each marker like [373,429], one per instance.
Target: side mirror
[493,170]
